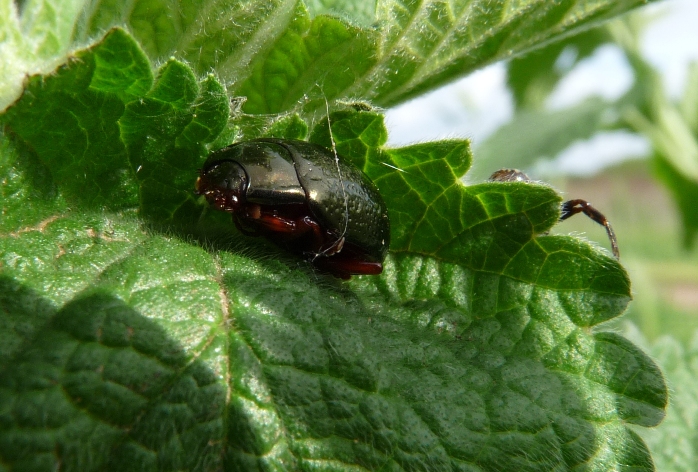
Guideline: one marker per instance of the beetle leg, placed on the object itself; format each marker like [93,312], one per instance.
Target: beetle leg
[292,228]
[319,238]
[572,207]
[286,225]
[279,224]
[344,268]
[335,248]
[242,229]
[256,217]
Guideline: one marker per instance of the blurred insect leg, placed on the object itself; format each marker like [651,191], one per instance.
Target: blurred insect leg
[572,207]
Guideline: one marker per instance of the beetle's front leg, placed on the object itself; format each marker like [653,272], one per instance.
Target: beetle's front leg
[295,227]
[291,226]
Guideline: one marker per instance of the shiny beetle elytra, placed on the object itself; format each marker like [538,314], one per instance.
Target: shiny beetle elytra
[299,196]
[569,208]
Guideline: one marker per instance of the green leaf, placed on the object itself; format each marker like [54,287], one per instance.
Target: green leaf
[48,26]
[432,43]
[689,102]
[72,118]
[165,340]
[533,135]
[33,42]
[289,127]
[673,445]
[669,127]
[533,76]
[166,152]
[363,13]
[28,194]
[284,59]
[210,34]
[645,109]
[11,45]
[147,359]
[682,183]
[685,193]
[98,113]
[298,63]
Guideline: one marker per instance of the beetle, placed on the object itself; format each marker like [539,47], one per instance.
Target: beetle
[568,208]
[304,198]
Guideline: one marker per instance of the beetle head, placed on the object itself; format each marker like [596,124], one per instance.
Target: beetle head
[224,184]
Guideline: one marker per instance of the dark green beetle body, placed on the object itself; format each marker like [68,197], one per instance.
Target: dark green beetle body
[298,195]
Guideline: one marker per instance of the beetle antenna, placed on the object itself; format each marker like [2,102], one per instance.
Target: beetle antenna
[340,239]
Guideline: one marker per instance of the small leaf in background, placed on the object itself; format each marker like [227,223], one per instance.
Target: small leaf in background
[685,193]
[534,135]
[682,186]
[533,77]
[669,127]
[289,127]
[689,101]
